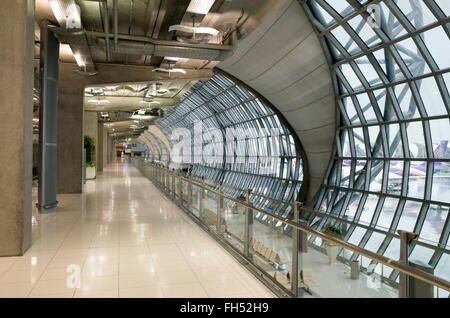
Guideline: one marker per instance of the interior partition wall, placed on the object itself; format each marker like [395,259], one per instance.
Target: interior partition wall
[391,169]
[263,155]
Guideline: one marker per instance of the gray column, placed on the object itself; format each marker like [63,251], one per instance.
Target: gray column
[48,120]
[108,150]
[16,112]
[90,127]
[70,130]
[100,149]
[105,147]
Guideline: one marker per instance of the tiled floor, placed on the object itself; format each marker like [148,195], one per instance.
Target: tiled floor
[126,240]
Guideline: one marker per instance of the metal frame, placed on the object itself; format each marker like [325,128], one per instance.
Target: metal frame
[398,61]
[224,102]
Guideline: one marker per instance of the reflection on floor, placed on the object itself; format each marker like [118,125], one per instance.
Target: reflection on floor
[127,240]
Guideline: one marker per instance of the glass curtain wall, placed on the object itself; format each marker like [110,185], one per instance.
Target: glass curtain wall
[390,65]
[261,155]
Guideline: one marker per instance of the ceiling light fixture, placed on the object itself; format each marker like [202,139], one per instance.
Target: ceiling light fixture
[200,6]
[99,101]
[140,117]
[194,30]
[172,59]
[149,103]
[169,70]
[80,61]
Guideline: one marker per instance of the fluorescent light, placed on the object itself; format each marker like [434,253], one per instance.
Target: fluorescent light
[99,101]
[200,6]
[169,70]
[153,102]
[195,30]
[173,59]
[79,59]
[140,117]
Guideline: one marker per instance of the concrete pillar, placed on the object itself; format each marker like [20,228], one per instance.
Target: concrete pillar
[100,149]
[70,130]
[110,149]
[16,113]
[105,148]
[90,128]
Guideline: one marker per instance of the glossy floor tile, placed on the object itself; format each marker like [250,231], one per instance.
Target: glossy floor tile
[122,238]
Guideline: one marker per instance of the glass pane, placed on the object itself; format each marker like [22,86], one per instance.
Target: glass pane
[409,216]
[434,223]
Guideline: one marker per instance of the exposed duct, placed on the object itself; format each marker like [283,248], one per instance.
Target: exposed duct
[78,44]
[174,49]
[71,31]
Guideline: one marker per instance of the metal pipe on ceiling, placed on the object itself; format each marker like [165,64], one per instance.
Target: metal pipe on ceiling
[104,6]
[140,48]
[171,49]
[116,22]
[144,39]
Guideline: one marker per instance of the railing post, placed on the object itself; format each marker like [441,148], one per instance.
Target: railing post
[180,189]
[159,176]
[173,184]
[405,245]
[189,204]
[248,231]
[202,196]
[219,207]
[166,179]
[295,247]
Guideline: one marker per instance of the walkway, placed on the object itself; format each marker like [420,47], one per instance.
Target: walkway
[128,241]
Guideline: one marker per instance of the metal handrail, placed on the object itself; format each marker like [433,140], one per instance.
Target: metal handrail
[401,267]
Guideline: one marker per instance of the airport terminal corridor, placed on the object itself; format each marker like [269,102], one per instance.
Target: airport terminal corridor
[129,241]
[225,148]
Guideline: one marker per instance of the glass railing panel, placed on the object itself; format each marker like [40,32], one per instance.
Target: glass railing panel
[331,271]
[185,193]
[177,187]
[195,203]
[233,215]
[271,248]
[169,183]
[209,213]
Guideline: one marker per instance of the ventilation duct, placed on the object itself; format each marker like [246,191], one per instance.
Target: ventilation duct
[71,31]
[175,50]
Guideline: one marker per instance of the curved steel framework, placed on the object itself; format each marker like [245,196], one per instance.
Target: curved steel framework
[391,170]
[221,103]
[156,149]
